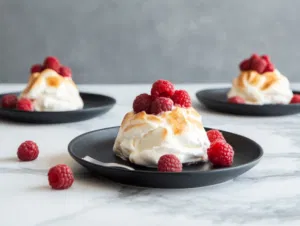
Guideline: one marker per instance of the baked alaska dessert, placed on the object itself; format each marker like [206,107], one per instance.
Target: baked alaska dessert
[50,88]
[163,130]
[259,83]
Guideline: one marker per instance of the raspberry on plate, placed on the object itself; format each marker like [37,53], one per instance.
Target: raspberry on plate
[161,104]
[25,104]
[9,101]
[28,151]
[162,88]
[236,100]
[220,153]
[142,103]
[60,177]
[52,63]
[169,163]
[214,135]
[65,71]
[36,68]
[295,99]
[182,98]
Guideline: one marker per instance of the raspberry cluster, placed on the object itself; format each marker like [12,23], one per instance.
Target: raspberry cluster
[220,153]
[261,64]
[11,101]
[53,63]
[163,97]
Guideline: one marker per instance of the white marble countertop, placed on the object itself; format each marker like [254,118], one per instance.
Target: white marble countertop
[269,194]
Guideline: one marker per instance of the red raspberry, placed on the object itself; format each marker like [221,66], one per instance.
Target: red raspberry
[258,65]
[162,88]
[266,58]
[25,104]
[182,99]
[9,101]
[245,65]
[142,103]
[169,163]
[214,135]
[65,71]
[52,63]
[269,68]
[236,100]
[254,56]
[295,99]
[161,104]
[36,68]
[28,151]
[220,153]
[60,177]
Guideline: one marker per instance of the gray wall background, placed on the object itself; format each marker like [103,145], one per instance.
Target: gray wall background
[138,41]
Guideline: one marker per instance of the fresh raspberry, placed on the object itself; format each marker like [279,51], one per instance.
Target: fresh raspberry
[245,65]
[161,104]
[182,99]
[9,101]
[269,68]
[214,135]
[162,88]
[295,99]
[220,153]
[60,177]
[25,104]
[254,56]
[28,151]
[258,65]
[169,163]
[36,68]
[65,71]
[52,63]
[142,103]
[236,100]
[266,58]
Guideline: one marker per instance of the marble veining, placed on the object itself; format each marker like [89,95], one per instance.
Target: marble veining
[268,194]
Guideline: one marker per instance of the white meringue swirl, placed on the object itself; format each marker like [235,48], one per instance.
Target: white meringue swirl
[50,91]
[144,138]
[259,89]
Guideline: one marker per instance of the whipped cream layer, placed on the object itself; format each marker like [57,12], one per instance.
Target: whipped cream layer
[143,138]
[259,89]
[50,91]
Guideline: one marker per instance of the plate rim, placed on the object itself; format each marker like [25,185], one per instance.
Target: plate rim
[112,99]
[200,92]
[218,170]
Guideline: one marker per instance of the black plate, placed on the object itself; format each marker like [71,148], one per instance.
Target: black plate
[94,104]
[216,99]
[98,145]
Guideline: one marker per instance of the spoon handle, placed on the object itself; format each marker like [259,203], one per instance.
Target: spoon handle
[110,164]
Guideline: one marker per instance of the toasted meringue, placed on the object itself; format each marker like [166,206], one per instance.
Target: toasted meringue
[52,92]
[259,89]
[143,138]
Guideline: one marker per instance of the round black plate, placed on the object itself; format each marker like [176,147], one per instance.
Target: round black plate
[94,104]
[98,145]
[216,99]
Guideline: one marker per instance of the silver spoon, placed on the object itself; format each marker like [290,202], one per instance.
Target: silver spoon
[109,164]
